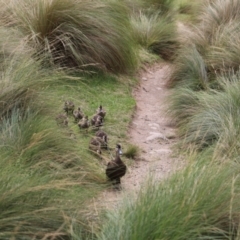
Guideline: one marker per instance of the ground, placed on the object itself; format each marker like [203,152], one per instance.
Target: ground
[152,131]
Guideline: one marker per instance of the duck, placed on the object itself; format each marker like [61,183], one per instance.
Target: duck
[96,121]
[84,123]
[78,114]
[101,112]
[104,138]
[116,168]
[68,107]
[62,120]
[95,145]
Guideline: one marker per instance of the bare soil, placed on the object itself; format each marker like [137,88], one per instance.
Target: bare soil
[152,132]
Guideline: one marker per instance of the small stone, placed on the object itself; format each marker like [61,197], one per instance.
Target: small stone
[155,135]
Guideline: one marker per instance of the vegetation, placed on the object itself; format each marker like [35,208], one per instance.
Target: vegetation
[199,202]
[77,33]
[192,204]
[52,51]
[207,69]
[132,151]
[155,32]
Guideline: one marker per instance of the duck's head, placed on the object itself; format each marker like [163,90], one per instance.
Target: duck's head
[119,149]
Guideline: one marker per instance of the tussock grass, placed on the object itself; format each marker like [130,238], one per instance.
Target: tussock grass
[183,104]
[78,33]
[156,32]
[42,167]
[192,204]
[18,84]
[190,70]
[44,180]
[147,57]
[163,5]
[152,5]
[217,13]
[132,151]
[188,12]
[204,103]
[223,53]
[55,174]
[216,39]
[210,117]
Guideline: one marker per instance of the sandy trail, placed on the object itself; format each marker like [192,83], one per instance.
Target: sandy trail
[152,132]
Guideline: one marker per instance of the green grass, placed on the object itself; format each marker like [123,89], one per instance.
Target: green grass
[155,32]
[217,13]
[48,174]
[46,167]
[132,151]
[163,5]
[41,165]
[190,70]
[152,5]
[192,204]
[206,118]
[41,174]
[78,34]
[204,103]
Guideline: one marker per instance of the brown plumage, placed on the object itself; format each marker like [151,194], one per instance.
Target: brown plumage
[116,168]
[95,145]
[101,112]
[84,123]
[78,114]
[62,120]
[68,107]
[103,136]
[96,121]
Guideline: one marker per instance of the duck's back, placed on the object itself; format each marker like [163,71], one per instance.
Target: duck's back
[115,170]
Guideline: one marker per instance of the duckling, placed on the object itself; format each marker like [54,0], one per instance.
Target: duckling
[62,120]
[68,107]
[101,112]
[103,136]
[84,123]
[116,168]
[78,114]
[97,121]
[95,145]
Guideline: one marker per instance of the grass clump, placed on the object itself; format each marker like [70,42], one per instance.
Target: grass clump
[78,33]
[42,170]
[215,40]
[206,118]
[190,70]
[192,204]
[131,151]
[156,32]
[153,5]
[202,104]
[163,5]
[41,174]
[218,13]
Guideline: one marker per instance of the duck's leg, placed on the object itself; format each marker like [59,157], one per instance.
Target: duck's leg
[117,184]
[118,181]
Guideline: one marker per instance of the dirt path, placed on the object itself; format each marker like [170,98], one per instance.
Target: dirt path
[152,133]
[151,129]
